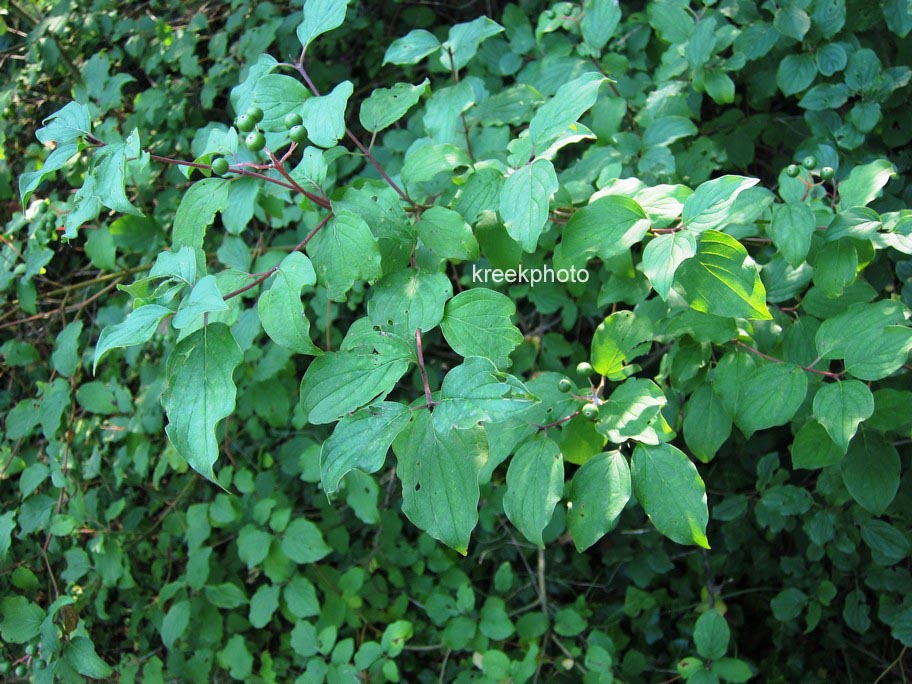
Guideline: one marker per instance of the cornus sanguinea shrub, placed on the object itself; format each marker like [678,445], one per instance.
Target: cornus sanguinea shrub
[692,464]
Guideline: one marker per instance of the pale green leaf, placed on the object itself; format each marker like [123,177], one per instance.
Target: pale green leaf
[386,106]
[281,310]
[772,394]
[411,48]
[137,328]
[605,228]
[865,183]
[197,210]
[524,202]
[360,441]
[559,113]
[320,16]
[600,19]
[477,322]
[619,339]
[446,234]
[204,298]
[200,392]
[324,117]
[711,205]
[662,256]
[535,480]
[463,41]
[791,229]
[630,410]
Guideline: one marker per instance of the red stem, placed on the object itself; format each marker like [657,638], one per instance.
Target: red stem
[260,277]
[809,369]
[424,377]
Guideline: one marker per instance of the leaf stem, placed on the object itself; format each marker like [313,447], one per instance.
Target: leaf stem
[299,67]
[424,378]
[809,369]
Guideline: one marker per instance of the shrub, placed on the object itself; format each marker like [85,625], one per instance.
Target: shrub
[589,274]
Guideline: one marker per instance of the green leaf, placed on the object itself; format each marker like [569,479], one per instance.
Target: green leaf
[711,635]
[65,356]
[620,338]
[791,229]
[96,397]
[668,129]
[865,183]
[80,654]
[263,605]
[871,470]
[197,210]
[732,670]
[872,339]
[559,113]
[535,481]
[280,307]
[840,407]
[702,43]
[64,129]
[439,474]
[200,391]
[477,322]
[722,279]
[137,328]
[409,300]
[600,20]
[813,448]
[792,22]
[599,491]
[253,545]
[342,381]
[825,96]
[278,95]
[662,256]
[411,48]
[835,267]
[204,298]
[888,544]
[175,623]
[772,395]
[324,117]
[463,41]
[446,234]
[360,441]
[21,619]
[607,227]
[475,392]
[710,207]
[320,16]
[796,72]
[386,106]
[719,86]
[631,410]
[303,542]
[707,426]
[670,490]
[343,252]
[524,202]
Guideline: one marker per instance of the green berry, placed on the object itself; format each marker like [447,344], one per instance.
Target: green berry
[30,650]
[4,667]
[293,119]
[792,170]
[256,113]
[245,123]
[809,162]
[590,412]
[297,133]
[220,166]
[564,385]
[19,671]
[255,141]
[585,369]
[827,173]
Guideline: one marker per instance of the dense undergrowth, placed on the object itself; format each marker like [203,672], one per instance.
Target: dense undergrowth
[733,374]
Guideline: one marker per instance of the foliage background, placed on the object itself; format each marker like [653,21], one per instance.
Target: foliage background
[173,580]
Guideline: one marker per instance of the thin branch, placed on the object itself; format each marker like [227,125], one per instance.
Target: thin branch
[424,378]
[809,369]
[260,277]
